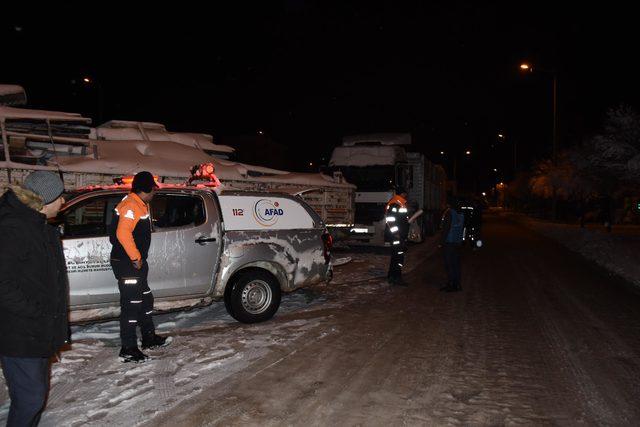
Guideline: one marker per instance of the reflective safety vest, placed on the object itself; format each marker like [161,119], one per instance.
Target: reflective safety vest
[396,218]
[400,201]
[130,231]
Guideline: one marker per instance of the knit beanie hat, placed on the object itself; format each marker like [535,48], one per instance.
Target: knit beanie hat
[143,181]
[45,184]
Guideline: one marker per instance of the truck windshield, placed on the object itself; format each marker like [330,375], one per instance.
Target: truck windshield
[370,178]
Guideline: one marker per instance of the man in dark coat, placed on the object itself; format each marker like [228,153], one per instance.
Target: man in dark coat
[33,292]
[451,240]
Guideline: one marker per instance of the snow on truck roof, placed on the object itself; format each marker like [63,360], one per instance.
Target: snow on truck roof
[376,149]
[377,139]
[162,157]
[12,95]
[131,130]
[24,113]
[11,90]
[171,159]
[365,155]
[119,124]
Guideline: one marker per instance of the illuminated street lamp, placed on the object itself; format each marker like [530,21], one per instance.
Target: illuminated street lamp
[468,152]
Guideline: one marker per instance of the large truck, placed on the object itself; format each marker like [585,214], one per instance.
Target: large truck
[67,144]
[377,164]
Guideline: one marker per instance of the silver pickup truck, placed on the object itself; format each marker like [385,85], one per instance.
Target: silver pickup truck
[244,248]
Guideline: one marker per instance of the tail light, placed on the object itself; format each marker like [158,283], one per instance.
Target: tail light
[327,241]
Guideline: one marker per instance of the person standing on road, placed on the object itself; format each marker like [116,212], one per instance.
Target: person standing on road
[130,235]
[396,231]
[451,241]
[33,292]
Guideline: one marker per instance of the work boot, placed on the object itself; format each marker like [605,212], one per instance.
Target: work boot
[446,287]
[154,341]
[132,354]
[454,288]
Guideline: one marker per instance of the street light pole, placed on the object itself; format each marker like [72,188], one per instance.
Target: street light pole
[554,75]
[97,87]
[502,137]
[555,118]
[454,159]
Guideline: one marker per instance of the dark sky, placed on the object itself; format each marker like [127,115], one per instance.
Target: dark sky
[308,72]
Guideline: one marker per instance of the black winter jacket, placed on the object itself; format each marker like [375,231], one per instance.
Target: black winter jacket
[33,279]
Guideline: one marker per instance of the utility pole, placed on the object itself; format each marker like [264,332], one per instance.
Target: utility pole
[555,118]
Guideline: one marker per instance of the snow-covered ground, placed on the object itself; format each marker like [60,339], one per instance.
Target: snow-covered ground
[90,386]
[617,251]
[538,336]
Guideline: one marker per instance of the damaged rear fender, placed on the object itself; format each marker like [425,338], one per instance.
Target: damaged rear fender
[253,256]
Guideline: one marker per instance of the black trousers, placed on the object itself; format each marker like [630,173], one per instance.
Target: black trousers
[452,263]
[27,379]
[396,262]
[136,301]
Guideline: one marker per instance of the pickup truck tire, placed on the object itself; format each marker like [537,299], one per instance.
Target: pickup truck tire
[253,296]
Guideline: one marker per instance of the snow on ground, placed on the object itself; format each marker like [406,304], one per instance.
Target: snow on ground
[616,252]
[90,386]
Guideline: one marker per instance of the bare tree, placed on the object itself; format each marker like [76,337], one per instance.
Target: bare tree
[609,162]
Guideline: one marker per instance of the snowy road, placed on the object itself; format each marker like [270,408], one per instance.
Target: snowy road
[539,336]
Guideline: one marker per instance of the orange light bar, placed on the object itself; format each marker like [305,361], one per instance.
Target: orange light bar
[128,180]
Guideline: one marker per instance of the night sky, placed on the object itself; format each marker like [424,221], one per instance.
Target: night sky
[306,73]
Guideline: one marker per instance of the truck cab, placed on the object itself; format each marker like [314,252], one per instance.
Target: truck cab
[377,164]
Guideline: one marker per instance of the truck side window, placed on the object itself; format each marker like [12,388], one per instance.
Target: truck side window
[170,210]
[90,218]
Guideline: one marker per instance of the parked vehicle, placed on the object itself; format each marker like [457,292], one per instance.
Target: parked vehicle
[67,144]
[245,248]
[376,164]
[472,223]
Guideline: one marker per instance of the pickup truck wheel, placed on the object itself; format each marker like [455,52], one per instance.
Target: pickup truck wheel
[253,297]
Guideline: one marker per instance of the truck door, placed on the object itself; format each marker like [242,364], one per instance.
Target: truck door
[185,244]
[403,176]
[87,250]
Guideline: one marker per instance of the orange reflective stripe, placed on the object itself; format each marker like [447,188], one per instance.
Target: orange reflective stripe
[130,210]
